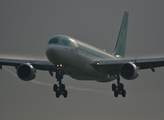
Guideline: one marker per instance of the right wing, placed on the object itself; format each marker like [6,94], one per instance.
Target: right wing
[110,65]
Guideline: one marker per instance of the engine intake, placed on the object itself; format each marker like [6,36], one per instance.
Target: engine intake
[26,72]
[129,71]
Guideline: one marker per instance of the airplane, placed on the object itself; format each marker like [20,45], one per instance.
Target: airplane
[81,61]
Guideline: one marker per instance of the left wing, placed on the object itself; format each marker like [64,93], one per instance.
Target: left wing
[37,64]
[109,65]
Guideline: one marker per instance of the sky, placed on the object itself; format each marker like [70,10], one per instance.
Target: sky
[27,26]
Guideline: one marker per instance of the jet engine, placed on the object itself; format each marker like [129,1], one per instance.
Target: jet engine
[129,71]
[26,72]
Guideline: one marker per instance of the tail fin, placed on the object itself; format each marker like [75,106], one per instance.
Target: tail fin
[119,50]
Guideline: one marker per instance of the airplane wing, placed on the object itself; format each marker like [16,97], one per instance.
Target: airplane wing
[37,64]
[109,65]
[101,65]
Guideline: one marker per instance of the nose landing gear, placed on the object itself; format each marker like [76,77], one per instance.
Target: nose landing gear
[60,89]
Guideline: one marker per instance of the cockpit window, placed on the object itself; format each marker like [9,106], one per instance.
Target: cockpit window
[54,41]
[63,40]
[59,40]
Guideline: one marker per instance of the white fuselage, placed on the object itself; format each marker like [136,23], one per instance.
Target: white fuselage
[76,63]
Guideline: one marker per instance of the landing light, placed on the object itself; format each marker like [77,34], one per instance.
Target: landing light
[98,63]
[118,56]
[59,65]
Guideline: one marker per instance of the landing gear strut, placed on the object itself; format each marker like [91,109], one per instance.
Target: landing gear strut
[60,88]
[119,88]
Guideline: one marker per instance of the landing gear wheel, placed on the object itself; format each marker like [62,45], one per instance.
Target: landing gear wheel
[57,94]
[62,87]
[65,93]
[121,87]
[55,87]
[123,93]
[116,93]
[114,87]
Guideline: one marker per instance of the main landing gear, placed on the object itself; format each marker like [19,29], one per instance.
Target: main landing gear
[119,88]
[60,88]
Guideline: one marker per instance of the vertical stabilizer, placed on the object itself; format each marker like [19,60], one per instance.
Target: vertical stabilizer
[119,50]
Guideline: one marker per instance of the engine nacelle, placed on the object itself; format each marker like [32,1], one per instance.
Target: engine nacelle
[26,72]
[129,71]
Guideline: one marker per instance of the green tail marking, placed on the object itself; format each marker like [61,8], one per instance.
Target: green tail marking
[119,50]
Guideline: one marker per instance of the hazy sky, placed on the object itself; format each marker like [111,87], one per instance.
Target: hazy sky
[26,27]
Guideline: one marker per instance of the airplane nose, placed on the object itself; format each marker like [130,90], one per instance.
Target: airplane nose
[50,50]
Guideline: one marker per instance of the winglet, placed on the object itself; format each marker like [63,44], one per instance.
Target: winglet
[119,50]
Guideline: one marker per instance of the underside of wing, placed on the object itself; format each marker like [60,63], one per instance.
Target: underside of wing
[108,66]
[26,69]
[38,64]
[151,63]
